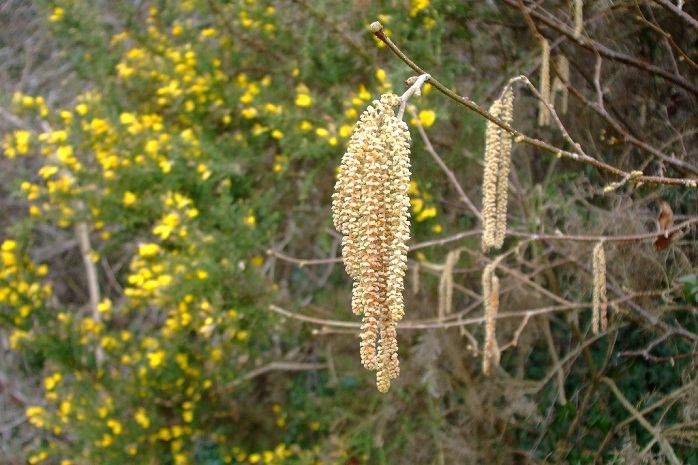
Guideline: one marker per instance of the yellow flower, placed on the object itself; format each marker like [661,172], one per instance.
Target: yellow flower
[22,138]
[303,100]
[98,125]
[249,112]
[155,359]
[165,166]
[66,407]
[129,198]
[426,118]
[381,75]
[141,418]
[65,153]
[52,381]
[58,13]
[417,6]
[271,108]
[345,131]
[127,118]
[417,205]
[425,214]
[104,305]
[148,249]
[364,94]
[322,132]
[115,426]
[9,245]
[152,147]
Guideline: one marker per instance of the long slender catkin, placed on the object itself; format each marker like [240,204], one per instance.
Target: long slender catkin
[490,295]
[599,300]
[495,184]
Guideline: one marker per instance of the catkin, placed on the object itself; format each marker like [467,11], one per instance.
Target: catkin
[446,284]
[490,296]
[599,300]
[543,111]
[578,18]
[559,86]
[370,208]
[495,184]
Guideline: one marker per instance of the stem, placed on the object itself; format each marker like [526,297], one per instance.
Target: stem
[414,89]
[92,282]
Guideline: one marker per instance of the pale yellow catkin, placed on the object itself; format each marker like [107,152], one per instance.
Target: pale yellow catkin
[504,166]
[446,284]
[543,111]
[490,296]
[495,184]
[370,208]
[599,300]
[578,18]
[489,180]
[559,86]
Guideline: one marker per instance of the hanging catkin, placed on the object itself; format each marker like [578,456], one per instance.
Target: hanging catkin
[495,184]
[559,86]
[371,209]
[578,18]
[599,301]
[490,296]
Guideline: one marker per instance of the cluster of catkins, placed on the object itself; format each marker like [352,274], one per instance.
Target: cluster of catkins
[370,208]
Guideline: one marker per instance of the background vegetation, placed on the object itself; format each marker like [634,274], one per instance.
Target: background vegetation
[170,291]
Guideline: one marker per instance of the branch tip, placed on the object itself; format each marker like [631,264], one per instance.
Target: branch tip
[376,27]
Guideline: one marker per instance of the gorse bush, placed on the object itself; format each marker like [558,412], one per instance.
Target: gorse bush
[170,290]
[155,168]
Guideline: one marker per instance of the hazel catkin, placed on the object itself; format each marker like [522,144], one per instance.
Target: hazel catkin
[370,208]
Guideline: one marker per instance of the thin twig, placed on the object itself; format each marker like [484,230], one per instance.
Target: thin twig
[451,176]
[663,443]
[688,19]
[92,282]
[279,366]
[435,325]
